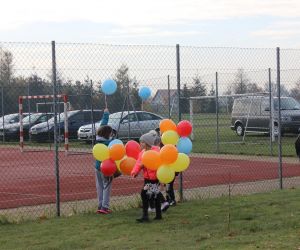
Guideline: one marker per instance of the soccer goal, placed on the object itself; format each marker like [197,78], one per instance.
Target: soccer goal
[236,111]
[45,97]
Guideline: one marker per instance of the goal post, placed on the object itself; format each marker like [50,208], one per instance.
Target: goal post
[65,101]
[225,102]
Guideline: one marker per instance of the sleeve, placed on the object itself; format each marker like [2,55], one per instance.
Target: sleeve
[104,119]
[97,165]
[138,165]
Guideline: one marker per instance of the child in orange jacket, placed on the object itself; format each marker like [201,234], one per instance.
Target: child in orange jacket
[151,184]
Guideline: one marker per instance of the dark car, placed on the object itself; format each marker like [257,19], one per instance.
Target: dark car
[76,118]
[12,131]
[253,115]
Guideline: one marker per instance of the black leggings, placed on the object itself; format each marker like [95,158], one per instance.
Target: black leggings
[170,191]
[146,200]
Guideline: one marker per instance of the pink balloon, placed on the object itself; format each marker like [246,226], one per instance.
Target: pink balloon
[132,149]
[108,167]
[184,128]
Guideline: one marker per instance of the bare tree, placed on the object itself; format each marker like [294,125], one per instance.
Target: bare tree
[6,66]
[239,86]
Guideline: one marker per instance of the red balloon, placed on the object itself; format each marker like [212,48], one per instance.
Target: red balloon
[133,149]
[108,167]
[184,128]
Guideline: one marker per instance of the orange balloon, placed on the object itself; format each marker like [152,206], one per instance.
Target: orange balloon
[127,165]
[168,154]
[116,152]
[151,159]
[167,124]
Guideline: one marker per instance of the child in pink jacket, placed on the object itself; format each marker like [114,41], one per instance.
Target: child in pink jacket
[151,184]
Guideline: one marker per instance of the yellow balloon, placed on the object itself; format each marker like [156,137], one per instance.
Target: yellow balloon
[165,174]
[181,164]
[118,164]
[170,137]
[100,152]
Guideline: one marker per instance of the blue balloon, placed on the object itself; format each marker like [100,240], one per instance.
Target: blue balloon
[144,93]
[115,141]
[109,87]
[184,145]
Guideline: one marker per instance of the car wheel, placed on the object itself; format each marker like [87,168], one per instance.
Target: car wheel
[239,129]
[276,131]
[61,138]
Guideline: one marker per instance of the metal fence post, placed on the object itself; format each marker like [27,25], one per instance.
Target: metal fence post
[169,98]
[279,119]
[2,107]
[92,114]
[179,111]
[217,112]
[271,112]
[56,159]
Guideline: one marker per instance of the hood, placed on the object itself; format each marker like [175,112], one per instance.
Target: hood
[89,126]
[289,112]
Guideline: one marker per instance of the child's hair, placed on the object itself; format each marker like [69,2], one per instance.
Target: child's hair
[104,131]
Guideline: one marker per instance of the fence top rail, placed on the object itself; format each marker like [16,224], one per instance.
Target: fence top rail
[233,95]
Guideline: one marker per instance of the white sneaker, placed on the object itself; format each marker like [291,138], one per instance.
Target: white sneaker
[165,206]
[151,210]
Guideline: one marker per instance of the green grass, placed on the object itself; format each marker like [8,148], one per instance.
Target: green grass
[261,221]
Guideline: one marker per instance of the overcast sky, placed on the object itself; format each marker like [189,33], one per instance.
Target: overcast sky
[237,23]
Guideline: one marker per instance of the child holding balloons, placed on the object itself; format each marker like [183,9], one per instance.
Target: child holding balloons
[151,183]
[103,183]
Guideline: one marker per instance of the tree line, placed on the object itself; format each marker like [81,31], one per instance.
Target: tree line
[85,94]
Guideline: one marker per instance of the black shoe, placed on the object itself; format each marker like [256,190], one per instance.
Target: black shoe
[143,219]
[157,218]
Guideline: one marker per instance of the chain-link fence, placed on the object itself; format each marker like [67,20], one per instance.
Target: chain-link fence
[243,134]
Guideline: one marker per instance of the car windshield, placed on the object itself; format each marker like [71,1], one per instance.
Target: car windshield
[287,104]
[61,116]
[31,118]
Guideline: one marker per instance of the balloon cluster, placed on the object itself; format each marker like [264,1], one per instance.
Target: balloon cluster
[173,156]
[117,156]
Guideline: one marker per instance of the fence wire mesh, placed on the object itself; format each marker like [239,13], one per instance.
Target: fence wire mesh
[231,150]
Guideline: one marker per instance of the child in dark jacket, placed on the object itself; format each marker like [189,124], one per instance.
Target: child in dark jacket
[151,183]
[103,183]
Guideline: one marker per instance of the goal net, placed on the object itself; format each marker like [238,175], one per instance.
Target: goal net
[214,117]
[24,131]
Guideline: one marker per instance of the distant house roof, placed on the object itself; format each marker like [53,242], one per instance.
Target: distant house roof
[161,95]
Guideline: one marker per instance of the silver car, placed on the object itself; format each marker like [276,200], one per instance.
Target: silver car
[129,125]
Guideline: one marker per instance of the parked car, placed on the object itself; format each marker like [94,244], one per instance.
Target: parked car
[133,125]
[76,118]
[255,113]
[11,131]
[10,118]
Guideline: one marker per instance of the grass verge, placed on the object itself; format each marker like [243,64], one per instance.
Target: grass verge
[266,221]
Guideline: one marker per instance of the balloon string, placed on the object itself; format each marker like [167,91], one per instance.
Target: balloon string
[142,105]
[105,101]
